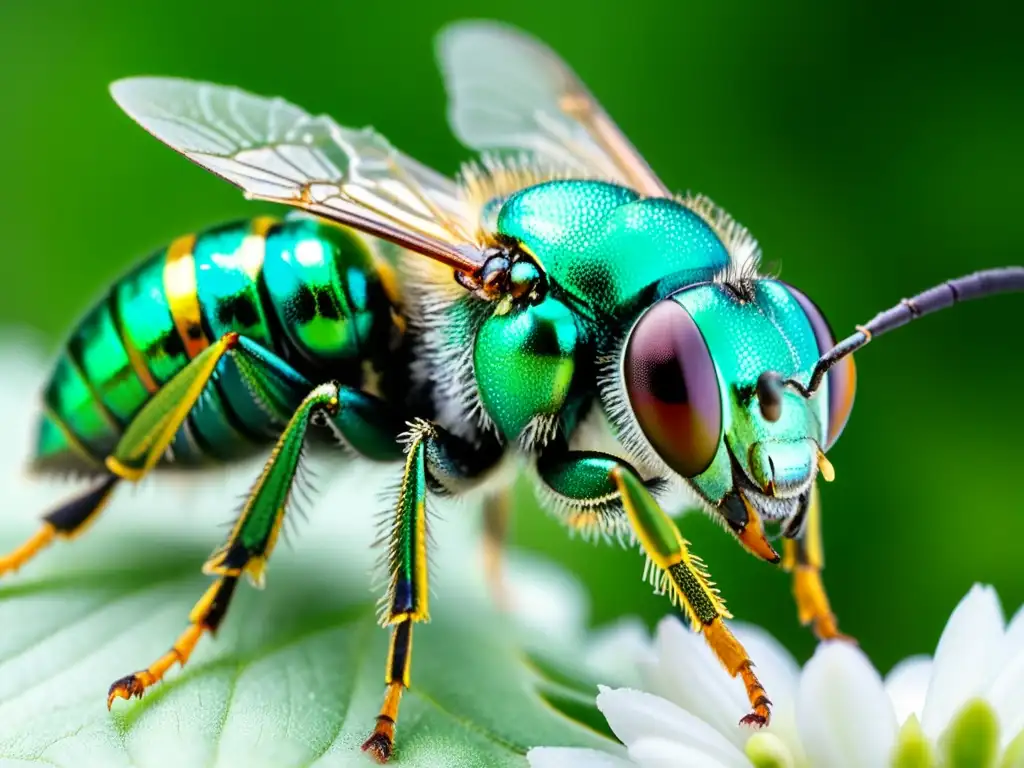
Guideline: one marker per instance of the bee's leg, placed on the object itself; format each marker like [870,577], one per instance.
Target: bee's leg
[598,489]
[255,533]
[140,448]
[444,461]
[804,558]
[206,616]
[497,512]
[66,521]
[280,390]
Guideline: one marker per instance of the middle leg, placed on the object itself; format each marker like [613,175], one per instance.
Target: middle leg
[442,462]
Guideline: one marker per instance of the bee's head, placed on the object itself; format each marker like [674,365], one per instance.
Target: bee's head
[703,373]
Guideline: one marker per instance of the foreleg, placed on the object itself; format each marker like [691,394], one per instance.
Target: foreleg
[605,483]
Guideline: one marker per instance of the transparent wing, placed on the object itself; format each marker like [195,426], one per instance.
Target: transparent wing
[509,91]
[276,151]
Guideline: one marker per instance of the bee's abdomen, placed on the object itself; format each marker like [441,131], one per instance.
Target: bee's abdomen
[311,292]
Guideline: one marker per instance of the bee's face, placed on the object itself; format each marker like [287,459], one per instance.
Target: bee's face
[702,371]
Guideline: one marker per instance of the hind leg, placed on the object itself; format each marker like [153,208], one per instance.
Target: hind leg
[271,381]
[247,548]
[66,521]
[139,449]
[205,616]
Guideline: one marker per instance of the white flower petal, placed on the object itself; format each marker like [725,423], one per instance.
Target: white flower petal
[843,712]
[687,673]
[907,686]
[1013,640]
[965,657]
[573,757]
[634,715]
[1005,699]
[617,651]
[662,753]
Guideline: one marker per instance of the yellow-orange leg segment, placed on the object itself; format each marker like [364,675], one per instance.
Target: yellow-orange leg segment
[139,449]
[736,662]
[206,616]
[382,741]
[65,522]
[804,558]
[407,599]
[685,578]
[36,543]
[497,512]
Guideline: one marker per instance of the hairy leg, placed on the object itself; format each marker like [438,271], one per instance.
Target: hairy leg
[256,531]
[439,460]
[598,481]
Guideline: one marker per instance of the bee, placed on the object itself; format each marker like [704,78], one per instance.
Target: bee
[556,308]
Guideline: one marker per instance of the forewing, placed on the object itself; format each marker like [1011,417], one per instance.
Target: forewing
[277,151]
[507,91]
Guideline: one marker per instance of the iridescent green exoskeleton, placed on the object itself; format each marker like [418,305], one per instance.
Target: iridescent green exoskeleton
[556,304]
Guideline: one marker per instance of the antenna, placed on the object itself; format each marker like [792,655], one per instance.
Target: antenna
[988,282]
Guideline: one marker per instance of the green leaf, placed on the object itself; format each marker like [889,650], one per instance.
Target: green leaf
[295,676]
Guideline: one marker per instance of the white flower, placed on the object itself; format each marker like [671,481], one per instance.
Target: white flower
[965,707]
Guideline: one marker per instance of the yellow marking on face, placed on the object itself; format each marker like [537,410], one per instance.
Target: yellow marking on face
[182,294]
[828,472]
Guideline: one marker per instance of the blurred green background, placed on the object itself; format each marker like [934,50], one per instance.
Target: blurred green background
[874,150]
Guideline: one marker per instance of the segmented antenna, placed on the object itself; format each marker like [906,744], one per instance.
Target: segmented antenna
[974,286]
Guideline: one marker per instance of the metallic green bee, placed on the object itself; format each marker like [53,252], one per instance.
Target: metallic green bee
[556,307]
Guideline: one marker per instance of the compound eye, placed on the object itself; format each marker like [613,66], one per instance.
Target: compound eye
[842,377]
[672,387]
